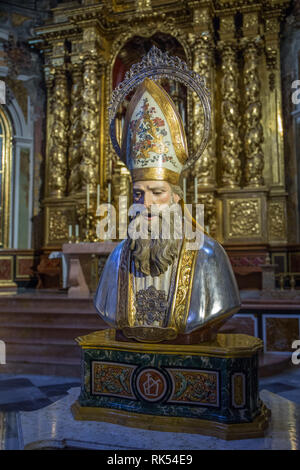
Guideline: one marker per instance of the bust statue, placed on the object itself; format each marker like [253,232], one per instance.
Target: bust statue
[157,289]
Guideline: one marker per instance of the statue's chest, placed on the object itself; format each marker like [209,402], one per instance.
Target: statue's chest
[152,297]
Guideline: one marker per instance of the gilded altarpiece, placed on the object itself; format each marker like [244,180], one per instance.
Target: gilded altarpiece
[234,45]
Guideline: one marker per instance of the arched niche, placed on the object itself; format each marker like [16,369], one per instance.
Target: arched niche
[5,177]
[131,53]
[19,171]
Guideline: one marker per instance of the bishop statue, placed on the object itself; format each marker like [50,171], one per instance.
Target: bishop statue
[158,289]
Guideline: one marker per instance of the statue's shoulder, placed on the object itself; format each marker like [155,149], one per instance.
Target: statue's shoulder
[211,248]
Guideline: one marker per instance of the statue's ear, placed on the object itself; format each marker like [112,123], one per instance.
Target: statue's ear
[176,198]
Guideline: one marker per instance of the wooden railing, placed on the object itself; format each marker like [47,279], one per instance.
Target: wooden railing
[288,280]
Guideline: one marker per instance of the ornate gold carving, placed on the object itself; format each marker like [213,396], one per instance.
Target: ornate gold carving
[210,211]
[143,6]
[272,25]
[253,114]
[227,26]
[104,29]
[244,218]
[147,29]
[59,136]
[271,60]
[90,123]
[58,225]
[250,23]
[204,168]
[230,139]
[184,282]
[277,221]
[75,131]
[202,16]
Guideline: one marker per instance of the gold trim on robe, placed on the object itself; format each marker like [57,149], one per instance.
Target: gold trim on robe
[180,303]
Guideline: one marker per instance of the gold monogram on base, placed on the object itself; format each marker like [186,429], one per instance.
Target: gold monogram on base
[150,333]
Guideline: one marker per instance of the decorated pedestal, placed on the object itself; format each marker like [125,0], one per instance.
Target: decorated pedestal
[208,388]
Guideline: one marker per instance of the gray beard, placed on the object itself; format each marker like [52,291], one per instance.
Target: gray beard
[154,256]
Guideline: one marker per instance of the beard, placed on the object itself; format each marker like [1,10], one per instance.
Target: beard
[153,256]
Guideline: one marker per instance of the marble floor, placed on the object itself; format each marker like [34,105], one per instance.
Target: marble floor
[26,398]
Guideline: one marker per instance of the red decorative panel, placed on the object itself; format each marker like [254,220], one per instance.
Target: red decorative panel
[24,266]
[6,268]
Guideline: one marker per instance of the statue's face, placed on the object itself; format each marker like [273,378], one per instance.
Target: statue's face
[153,192]
[153,255]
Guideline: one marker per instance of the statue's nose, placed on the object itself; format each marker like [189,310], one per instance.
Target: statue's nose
[147,200]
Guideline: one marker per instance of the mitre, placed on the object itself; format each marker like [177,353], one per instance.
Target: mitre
[154,144]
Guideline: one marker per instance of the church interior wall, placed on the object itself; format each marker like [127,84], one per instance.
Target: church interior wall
[40,48]
[20,68]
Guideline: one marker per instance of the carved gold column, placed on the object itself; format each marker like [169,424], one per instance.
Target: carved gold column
[59,135]
[75,181]
[230,119]
[58,210]
[242,211]
[229,163]
[202,46]
[277,201]
[254,163]
[90,113]
[205,167]
[90,123]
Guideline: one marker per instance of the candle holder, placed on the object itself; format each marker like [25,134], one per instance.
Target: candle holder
[70,234]
[71,239]
[87,218]
[91,225]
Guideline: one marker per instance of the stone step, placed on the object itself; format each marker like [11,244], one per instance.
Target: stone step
[39,330]
[40,351]
[55,341]
[23,303]
[50,322]
[43,333]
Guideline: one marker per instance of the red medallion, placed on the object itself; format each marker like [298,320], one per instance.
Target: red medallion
[151,385]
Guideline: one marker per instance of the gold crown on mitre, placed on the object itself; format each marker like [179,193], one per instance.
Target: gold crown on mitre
[154,144]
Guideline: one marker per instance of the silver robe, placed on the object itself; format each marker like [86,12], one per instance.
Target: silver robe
[214,291]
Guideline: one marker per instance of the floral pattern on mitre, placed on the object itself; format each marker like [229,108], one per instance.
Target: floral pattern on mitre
[148,138]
